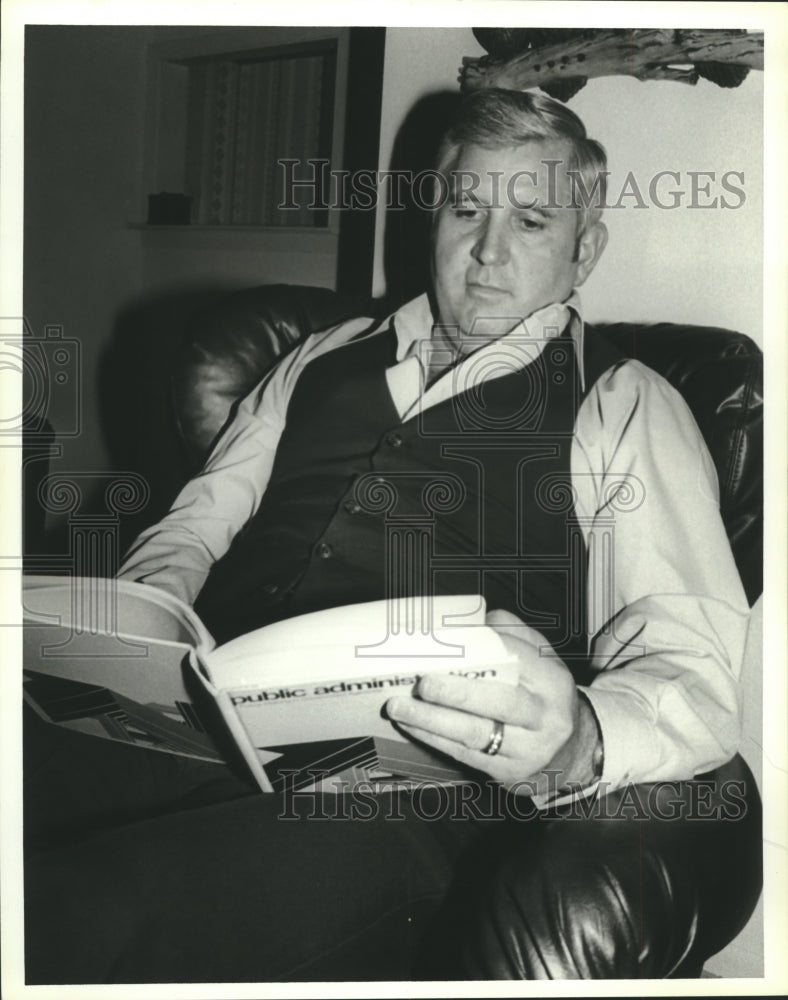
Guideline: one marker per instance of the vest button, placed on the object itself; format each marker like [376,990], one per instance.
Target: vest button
[270,589]
[395,440]
[324,550]
[352,507]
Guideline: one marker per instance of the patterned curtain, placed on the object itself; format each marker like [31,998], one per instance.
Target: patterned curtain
[245,116]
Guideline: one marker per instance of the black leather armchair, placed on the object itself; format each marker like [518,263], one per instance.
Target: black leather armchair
[718,372]
[225,353]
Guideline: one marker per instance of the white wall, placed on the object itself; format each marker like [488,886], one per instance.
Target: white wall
[691,265]
[700,265]
[185,257]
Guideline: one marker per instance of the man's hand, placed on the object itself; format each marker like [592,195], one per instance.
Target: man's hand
[547,726]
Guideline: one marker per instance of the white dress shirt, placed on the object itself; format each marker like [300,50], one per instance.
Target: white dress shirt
[667,614]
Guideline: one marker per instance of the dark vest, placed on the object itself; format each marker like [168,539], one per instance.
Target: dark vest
[471,496]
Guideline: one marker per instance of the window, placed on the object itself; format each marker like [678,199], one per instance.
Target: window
[226,107]
[223,105]
[245,115]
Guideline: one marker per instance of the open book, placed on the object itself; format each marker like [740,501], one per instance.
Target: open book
[303,699]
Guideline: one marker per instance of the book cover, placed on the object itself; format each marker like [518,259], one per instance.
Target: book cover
[304,698]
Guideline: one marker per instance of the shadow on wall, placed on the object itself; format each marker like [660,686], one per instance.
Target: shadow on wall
[135,400]
[406,257]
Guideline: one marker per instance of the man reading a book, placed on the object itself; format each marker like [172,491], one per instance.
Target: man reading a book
[531,464]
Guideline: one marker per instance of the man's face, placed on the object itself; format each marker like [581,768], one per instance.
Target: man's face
[503,248]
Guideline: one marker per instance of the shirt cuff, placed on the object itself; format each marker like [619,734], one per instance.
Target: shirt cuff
[565,795]
[624,726]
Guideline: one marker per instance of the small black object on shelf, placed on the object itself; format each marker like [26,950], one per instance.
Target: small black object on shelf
[167,209]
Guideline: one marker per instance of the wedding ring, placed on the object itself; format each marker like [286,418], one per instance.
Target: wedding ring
[496,739]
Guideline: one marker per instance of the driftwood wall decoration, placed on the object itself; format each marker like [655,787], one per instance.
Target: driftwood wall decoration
[561,60]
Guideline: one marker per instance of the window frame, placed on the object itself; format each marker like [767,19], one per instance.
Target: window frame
[167,108]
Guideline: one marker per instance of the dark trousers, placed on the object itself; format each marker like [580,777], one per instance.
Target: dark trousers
[145,867]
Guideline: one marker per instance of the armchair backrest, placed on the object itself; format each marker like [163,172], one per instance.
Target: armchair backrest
[230,346]
[719,373]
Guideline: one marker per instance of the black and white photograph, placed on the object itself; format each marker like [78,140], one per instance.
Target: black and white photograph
[392,589]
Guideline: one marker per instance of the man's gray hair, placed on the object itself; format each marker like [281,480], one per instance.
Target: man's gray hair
[497,119]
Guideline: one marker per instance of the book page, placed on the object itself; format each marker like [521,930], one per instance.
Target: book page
[378,637]
[106,658]
[113,606]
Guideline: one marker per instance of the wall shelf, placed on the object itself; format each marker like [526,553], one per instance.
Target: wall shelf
[149,227]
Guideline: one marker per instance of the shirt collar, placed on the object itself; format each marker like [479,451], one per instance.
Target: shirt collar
[413,324]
